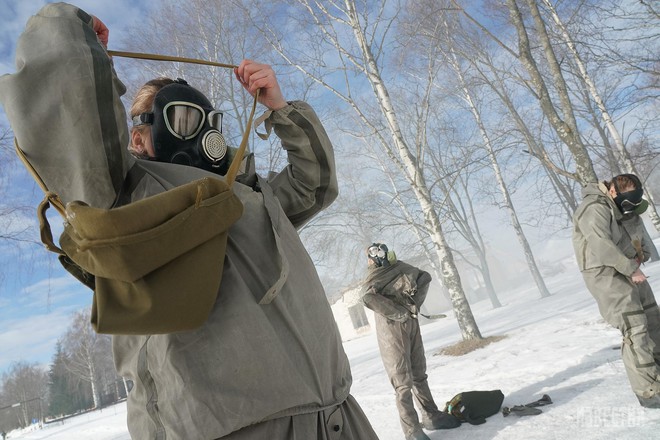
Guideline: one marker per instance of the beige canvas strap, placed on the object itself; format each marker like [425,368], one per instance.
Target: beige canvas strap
[50,198]
[156,57]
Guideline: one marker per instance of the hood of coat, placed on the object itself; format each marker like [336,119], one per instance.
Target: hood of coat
[375,272]
[595,191]
[373,268]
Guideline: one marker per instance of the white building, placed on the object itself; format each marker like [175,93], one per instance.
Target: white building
[353,319]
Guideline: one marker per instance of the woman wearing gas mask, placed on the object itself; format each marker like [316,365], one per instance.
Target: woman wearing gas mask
[268,363]
[610,245]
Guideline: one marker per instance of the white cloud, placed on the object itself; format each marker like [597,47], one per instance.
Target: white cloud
[32,339]
[32,319]
[58,289]
[12,22]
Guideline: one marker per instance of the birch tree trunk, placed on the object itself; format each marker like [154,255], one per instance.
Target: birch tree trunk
[488,145]
[419,233]
[339,28]
[537,150]
[91,378]
[476,239]
[624,155]
[412,172]
[566,128]
[461,215]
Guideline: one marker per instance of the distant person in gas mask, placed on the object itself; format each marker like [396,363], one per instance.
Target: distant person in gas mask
[610,244]
[395,291]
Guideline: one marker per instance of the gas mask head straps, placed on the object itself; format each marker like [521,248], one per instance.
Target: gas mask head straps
[230,176]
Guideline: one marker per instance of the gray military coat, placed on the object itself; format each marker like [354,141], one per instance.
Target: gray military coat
[396,291]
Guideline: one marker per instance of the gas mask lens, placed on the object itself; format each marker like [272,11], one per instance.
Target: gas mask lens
[183,119]
[215,120]
[376,252]
[630,201]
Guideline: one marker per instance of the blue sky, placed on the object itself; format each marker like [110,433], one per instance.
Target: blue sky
[37,297]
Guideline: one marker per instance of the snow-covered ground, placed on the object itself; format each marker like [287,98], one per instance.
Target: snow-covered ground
[558,346]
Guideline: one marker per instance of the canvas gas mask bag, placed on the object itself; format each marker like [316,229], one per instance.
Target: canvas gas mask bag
[143,259]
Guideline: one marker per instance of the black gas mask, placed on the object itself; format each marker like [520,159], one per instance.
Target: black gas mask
[185,129]
[377,253]
[630,201]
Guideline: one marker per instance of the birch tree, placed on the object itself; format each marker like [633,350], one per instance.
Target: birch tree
[357,38]
[24,391]
[470,98]
[623,154]
[492,76]
[566,126]
[82,345]
[630,42]
[17,231]
[562,116]
[12,230]
[462,211]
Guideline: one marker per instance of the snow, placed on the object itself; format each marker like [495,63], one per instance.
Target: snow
[558,346]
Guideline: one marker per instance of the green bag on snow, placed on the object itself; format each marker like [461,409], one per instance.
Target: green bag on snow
[474,406]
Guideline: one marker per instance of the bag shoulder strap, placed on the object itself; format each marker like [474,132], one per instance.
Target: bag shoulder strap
[50,199]
[274,213]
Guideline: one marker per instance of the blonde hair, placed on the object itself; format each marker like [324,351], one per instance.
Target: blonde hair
[143,103]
